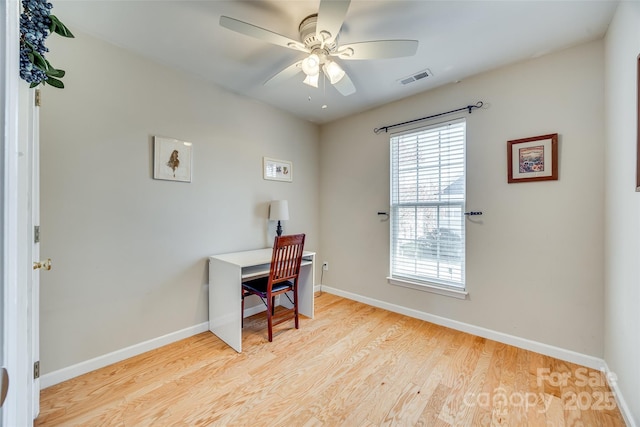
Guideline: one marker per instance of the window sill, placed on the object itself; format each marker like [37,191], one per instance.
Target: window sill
[426,287]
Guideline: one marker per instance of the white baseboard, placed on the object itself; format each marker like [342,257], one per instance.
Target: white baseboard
[257,309]
[620,401]
[55,377]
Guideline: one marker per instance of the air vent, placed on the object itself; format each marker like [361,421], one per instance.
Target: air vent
[415,77]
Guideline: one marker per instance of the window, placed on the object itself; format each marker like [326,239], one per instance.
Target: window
[427,206]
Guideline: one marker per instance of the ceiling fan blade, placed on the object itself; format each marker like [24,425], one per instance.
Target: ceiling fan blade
[260,33]
[331,14]
[285,74]
[378,49]
[345,86]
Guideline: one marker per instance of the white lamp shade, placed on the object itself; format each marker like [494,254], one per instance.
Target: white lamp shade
[333,71]
[279,210]
[312,80]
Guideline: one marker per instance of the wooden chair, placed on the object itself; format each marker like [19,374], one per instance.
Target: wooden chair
[283,278]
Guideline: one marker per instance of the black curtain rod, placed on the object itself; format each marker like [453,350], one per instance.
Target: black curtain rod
[479,104]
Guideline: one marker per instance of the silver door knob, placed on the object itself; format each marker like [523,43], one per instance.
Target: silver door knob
[46,265]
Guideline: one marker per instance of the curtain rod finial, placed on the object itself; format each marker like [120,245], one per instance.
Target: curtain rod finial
[479,104]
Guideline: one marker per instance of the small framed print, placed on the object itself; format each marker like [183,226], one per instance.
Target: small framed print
[277,170]
[533,159]
[171,159]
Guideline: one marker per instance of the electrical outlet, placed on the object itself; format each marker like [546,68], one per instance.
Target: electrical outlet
[325,266]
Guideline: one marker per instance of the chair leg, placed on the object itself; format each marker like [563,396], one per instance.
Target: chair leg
[242,311]
[269,318]
[295,305]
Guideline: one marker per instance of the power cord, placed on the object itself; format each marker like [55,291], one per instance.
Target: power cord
[321,279]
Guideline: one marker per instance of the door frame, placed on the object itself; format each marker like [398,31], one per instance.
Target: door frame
[32,135]
[18,408]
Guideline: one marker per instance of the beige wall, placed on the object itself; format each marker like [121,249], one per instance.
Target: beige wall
[535,258]
[622,225]
[130,252]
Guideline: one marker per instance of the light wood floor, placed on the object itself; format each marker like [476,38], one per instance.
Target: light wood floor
[353,365]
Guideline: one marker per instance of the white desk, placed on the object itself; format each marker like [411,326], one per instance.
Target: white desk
[226,273]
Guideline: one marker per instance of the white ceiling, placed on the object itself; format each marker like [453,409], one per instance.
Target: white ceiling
[457,39]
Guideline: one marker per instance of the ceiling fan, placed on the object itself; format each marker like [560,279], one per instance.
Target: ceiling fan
[319,40]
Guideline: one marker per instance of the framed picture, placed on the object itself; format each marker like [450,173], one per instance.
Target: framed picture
[171,159]
[277,170]
[533,159]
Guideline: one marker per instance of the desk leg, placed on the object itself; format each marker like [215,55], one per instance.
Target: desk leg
[305,289]
[225,302]
[305,292]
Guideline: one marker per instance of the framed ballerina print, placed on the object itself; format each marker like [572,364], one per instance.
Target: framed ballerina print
[171,159]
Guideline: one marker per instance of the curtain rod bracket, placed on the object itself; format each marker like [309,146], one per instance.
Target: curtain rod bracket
[470,108]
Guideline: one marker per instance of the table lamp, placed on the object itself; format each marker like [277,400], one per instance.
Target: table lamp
[279,211]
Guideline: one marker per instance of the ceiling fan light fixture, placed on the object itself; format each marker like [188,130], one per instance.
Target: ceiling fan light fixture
[311,65]
[333,71]
[312,80]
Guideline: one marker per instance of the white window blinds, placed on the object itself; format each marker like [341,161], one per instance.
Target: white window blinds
[427,204]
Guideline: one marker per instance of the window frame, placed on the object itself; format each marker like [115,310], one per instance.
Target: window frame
[422,281]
